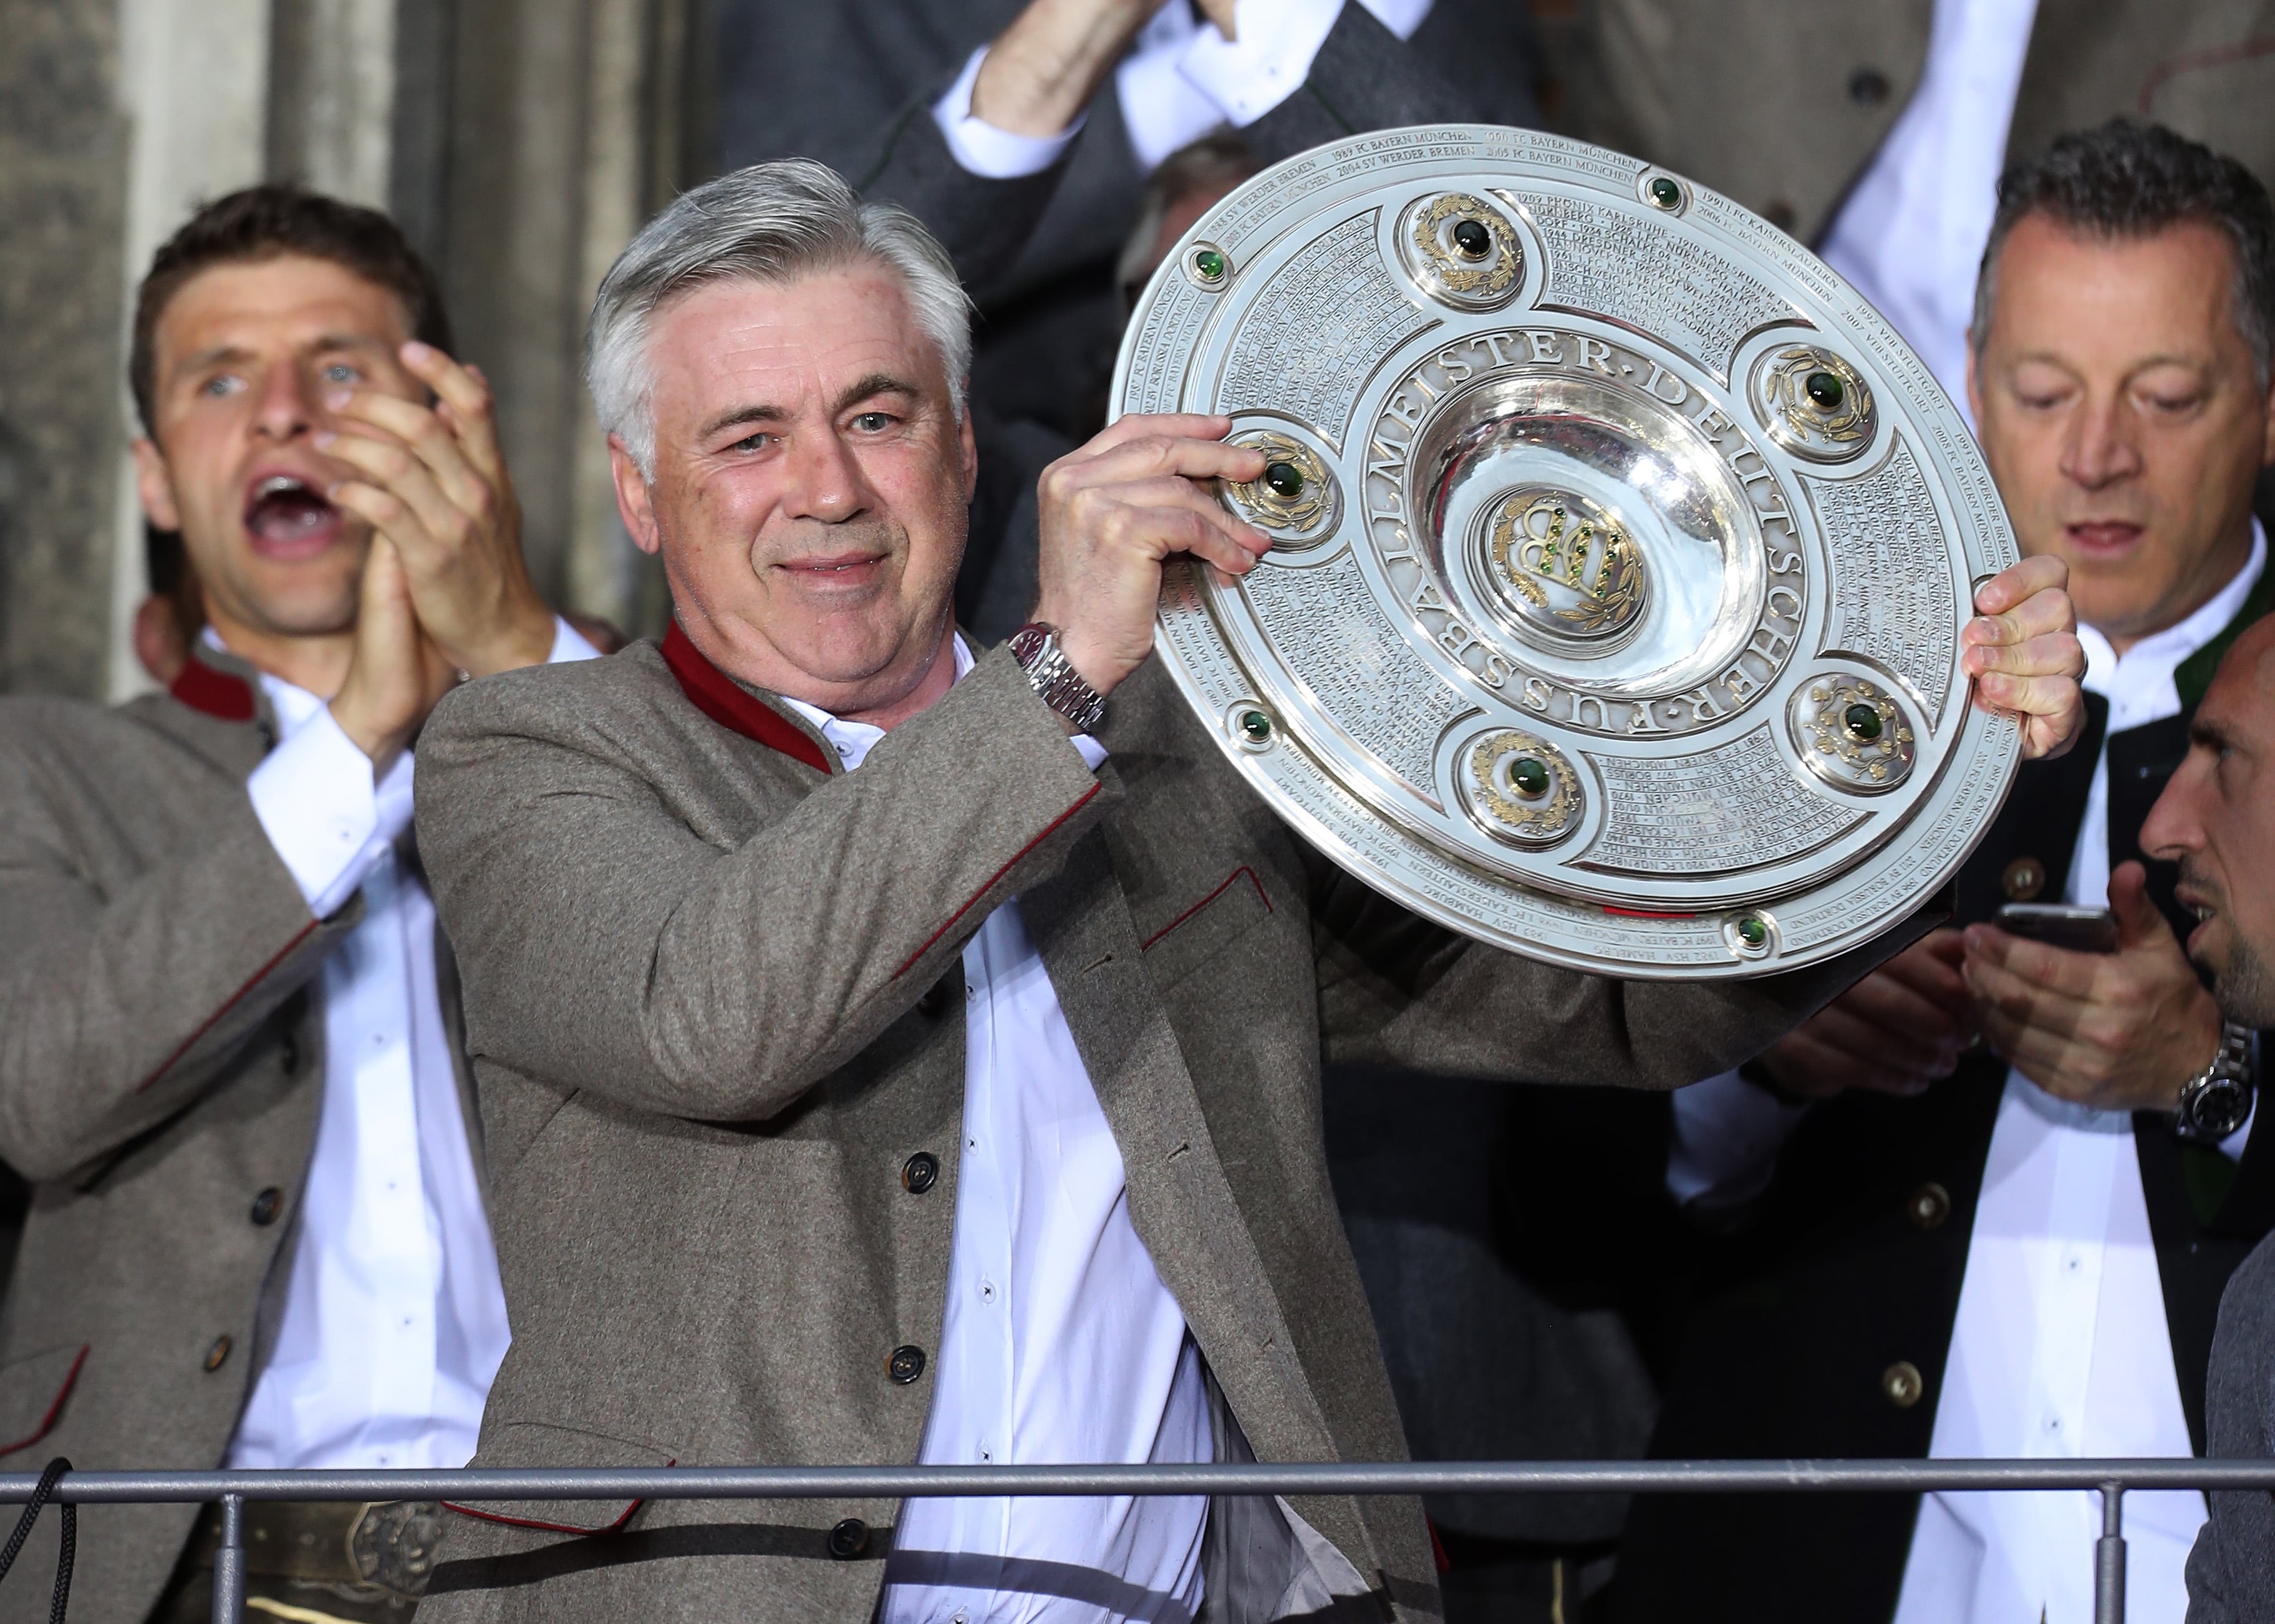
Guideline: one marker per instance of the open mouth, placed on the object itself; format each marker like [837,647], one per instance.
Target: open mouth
[2104,536]
[288,516]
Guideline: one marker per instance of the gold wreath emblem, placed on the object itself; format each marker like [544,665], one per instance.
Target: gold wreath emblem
[1545,542]
[1488,278]
[1843,423]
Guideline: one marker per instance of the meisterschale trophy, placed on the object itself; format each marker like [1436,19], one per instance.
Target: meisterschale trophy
[1620,554]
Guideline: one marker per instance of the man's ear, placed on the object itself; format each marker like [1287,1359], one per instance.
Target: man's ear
[971,446]
[632,503]
[155,484]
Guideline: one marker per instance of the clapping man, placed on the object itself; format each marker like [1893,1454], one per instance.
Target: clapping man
[229,1051]
[890,1052]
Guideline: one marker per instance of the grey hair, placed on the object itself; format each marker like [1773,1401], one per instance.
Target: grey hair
[770,223]
[2126,180]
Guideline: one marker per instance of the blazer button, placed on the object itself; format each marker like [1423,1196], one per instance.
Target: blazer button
[1868,86]
[2023,879]
[291,1056]
[849,1540]
[266,1206]
[919,1173]
[906,1364]
[1929,1206]
[217,1355]
[1902,1384]
[937,997]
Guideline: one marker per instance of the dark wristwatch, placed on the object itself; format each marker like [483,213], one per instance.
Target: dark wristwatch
[1035,645]
[2217,1101]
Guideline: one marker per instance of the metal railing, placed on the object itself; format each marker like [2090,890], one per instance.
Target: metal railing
[2110,1478]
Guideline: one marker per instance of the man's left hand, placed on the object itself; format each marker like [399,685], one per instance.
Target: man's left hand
[434,484]
[2023,654]
[2119,1032]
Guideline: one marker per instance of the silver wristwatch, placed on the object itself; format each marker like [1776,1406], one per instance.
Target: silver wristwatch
[2217,1101]
[1035,645]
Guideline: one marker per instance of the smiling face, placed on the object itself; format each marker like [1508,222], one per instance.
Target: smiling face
[244,354]
[2216,819]
[2122,416]
[809,490]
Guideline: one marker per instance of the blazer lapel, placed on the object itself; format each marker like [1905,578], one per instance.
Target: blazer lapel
[1181,1203]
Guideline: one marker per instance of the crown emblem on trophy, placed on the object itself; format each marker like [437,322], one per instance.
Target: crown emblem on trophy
[1567,567]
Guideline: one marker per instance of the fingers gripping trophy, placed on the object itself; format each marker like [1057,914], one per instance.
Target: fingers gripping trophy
[1636,598]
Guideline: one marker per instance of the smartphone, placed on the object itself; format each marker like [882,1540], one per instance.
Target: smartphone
[2060,925]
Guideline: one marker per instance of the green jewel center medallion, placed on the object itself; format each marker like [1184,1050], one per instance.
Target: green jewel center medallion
[1825,391]
[1286,480]
[1208,264]
[1861,721]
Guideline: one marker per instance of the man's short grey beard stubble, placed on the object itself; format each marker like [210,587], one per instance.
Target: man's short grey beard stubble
[2245,989]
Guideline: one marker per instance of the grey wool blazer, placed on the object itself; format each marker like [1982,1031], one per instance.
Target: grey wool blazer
[2232,1568]
[161,1072]
[701,969]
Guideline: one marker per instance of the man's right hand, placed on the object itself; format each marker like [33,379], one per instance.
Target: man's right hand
[395,674]
[1114,510]
[1899,1029]
[1042,71]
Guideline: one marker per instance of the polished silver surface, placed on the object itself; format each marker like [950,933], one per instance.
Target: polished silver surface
[1621,552]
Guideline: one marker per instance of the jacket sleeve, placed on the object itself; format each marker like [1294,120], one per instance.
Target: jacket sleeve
[608,944]
[1366,78]
[122,1006]
[1396,989]
[982,223]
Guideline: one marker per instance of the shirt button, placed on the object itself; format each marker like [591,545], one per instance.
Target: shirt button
[906,1364]
[1901,1384]
[849,1540]
[1929,1206]
[2023,879]
[217,1355]
[986,1291]
[266,1206]
[919,1173]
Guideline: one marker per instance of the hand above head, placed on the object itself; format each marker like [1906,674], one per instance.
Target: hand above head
[1896,1031]
[2119,1032]
[396,674]
[1114,510]
[2024,656]
[1041,71]
[432,482]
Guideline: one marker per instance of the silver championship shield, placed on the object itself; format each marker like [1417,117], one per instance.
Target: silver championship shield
[1621,554]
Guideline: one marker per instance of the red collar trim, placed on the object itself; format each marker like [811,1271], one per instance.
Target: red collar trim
[717,695]
[215,693]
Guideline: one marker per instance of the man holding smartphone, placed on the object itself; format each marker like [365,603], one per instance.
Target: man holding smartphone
[1993,1193]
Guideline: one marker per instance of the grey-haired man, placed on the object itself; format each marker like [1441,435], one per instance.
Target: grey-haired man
[892,1055]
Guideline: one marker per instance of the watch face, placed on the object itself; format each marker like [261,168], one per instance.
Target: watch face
[2216,1109]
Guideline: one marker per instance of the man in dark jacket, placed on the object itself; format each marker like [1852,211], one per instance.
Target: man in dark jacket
[2015,1250]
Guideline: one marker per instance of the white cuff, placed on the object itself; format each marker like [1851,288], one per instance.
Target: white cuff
[328,820]
[1728,1134]
[568,644]
[1094,753]
[1246,78]
[983,149]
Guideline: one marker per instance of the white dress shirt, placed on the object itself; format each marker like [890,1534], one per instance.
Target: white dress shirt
[1060,1343]
[1910,235]
[1182,79]
[393,1320]
[2061,1348]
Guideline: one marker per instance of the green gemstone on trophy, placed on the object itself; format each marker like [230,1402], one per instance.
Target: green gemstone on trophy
[1256,725]
[1286,480]
[1824,389]
[1665,192]
[1752,931]
[1528,775]
[1471,238]
[1208,264]
[1863,722]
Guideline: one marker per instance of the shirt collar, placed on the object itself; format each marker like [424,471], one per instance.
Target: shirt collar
[295,708]
[853,740]
[2139,686]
